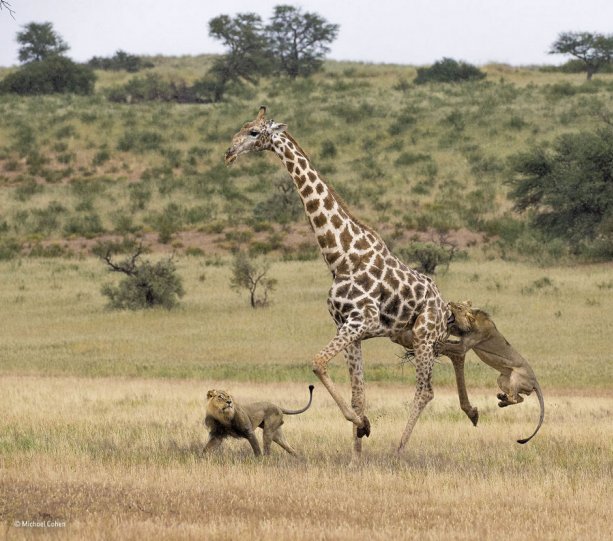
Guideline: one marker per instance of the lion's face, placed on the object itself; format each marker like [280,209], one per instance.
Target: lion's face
[222,402]
[462,317]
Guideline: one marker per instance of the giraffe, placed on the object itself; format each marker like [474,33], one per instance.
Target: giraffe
[373,293]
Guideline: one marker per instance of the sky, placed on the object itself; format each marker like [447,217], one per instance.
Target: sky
[414,32]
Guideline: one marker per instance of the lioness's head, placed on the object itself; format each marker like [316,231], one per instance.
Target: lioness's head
[462,317]
[220,404]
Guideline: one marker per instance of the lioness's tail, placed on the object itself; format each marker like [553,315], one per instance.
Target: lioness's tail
[539,393]
[296,412]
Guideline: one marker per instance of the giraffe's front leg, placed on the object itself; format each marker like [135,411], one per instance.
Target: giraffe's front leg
[346,336]
[353,355]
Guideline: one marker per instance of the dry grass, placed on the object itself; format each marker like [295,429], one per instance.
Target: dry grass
[101,413]
[119,458]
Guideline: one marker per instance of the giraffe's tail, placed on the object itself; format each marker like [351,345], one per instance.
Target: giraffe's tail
[296,412]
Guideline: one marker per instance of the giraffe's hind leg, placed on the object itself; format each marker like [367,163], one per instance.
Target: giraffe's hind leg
[423,343]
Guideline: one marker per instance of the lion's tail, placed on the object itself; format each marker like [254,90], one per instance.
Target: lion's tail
[539,393]
[296,412]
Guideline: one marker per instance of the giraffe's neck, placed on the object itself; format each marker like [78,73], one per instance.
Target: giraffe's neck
[344,242]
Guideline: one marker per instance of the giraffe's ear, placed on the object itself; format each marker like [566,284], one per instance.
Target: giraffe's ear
[277,127]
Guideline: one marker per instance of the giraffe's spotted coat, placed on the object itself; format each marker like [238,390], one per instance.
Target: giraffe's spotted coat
[373,293]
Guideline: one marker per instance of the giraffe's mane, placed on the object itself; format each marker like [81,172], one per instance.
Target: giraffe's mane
[340,201]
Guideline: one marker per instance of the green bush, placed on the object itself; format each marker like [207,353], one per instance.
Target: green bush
[146,285]
[120,61]
[55,74]
[448,70]
[428,255]
[84,225]
[154,88]
[9,249]
[139,141]
[568,190]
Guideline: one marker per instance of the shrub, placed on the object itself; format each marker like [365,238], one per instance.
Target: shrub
[55,74]
[119,61]
[167,222]
[139,141]
[155,88]
[409,158]
[448,70]
[429,255]
[84,225]
[251,275]
[27,189]
[283,206]
[328,149]
[146,284]
[9,249]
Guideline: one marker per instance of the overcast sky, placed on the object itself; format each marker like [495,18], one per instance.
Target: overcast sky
[416,32]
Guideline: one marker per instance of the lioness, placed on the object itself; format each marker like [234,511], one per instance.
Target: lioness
[225,417]
[478,332]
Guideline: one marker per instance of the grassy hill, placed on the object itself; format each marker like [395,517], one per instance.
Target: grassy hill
[408,158]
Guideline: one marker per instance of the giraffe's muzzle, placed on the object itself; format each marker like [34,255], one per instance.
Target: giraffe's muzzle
[230,156]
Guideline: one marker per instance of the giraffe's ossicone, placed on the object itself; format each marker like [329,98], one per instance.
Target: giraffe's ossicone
[373,293]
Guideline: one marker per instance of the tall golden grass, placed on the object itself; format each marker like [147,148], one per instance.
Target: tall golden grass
[120,458]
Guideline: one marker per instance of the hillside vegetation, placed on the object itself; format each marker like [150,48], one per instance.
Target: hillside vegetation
[407,158]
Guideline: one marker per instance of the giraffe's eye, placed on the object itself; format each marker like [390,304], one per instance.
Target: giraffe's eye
[254,133]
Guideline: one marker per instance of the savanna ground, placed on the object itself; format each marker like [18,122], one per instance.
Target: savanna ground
[101,413]
[101,410]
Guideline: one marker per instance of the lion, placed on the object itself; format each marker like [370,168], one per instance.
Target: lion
[478,332]
[225,417]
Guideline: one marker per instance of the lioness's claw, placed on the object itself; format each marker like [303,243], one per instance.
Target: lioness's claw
[502,396]
[364,430]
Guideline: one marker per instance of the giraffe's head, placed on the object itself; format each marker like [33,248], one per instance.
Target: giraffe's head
[255,135]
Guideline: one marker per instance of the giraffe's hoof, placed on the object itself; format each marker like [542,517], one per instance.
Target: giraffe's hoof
[364,430]
[474,416]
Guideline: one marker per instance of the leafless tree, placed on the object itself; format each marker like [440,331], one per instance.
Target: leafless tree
[6,5]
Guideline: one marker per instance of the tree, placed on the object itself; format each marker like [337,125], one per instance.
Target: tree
[448,70]
[246,58]
[569,189]
[146,284]
[6,5]
[55,74]
[39,41]
[430,255]
[594,50]
[249,275]
[299,41]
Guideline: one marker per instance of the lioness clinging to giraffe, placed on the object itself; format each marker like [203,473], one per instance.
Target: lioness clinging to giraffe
[478,332]
[373,293]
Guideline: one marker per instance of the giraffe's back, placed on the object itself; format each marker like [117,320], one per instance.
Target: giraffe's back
[390,292]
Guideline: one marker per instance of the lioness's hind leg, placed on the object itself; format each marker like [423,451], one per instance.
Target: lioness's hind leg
[279,438]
